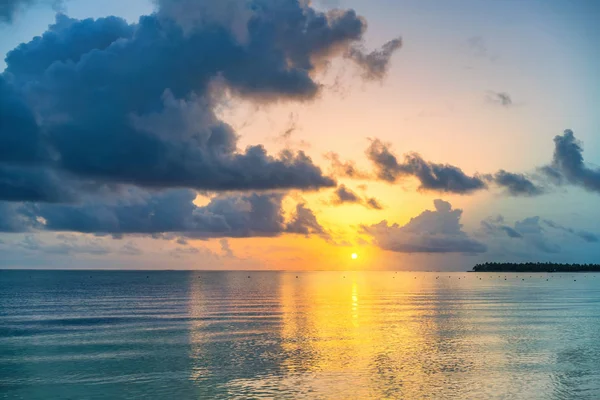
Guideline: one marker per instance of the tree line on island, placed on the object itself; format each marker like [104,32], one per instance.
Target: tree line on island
[535,267]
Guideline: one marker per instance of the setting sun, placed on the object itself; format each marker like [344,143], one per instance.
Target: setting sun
[354,256]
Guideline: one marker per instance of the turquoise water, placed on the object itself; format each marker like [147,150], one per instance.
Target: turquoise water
[313,335]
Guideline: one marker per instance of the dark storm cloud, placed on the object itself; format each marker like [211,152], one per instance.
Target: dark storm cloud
[20,136]
[33,184]
[438,231]
[343,195]
[568,165]
[516,184]
[173,211]
[67,40]
[500,98]
[134,103]
[443,178]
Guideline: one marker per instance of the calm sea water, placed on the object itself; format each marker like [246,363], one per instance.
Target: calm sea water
[313,335]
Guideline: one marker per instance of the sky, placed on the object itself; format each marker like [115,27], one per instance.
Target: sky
[282,134]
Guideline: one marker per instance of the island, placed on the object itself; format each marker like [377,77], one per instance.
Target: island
[535,267]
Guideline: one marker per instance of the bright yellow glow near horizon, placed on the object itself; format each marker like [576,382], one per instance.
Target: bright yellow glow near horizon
[354,256]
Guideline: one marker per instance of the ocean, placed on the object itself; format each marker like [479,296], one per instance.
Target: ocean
[298,335]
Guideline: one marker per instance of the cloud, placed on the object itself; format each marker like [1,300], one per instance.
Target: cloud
[33,184]
[387,167]
[172,211]
[10,8]
[20,136]
[67,41]
[375,64]
[199,14]
[135,103]
[14,218]
[345,169]
[532,232]
[442,178]
[305,222]
[373,203]
[288,136]
[436,231]
[478,47]
[511,232]
[130,249]
[528,230]
[516,184]
[568,165]
[500,98]
[494,226]
[184,252]
[225,248]
[66,245]
[532,238]
[343,195]
[584,235]
[291,127]
[161,213]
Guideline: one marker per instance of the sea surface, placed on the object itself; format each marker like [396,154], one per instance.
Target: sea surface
[298,335]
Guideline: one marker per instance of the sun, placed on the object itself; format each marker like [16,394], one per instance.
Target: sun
[354,256]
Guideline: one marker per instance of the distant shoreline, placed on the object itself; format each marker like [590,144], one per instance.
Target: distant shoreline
[535,267]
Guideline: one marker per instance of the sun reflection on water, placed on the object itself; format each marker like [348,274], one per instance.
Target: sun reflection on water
[355,335]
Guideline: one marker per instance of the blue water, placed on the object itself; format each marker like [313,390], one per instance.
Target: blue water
[313,335]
